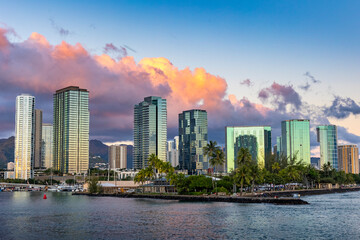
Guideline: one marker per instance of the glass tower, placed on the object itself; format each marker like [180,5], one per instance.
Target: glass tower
[150,130]
[24,136]
[71,130]
[193,136]
[295,139]
[37,139]
[256,138]
[327,137]
[348,158]
[47,146]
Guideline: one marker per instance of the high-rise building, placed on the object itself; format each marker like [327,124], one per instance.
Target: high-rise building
[278,146]
[47,146]
[193,136]
[150,130]
[24,136]
[173,152]
[348,158]
[37,139]
[295,139]
[71,130]
[327,137]
[117,157]
[257,139]
[10,166]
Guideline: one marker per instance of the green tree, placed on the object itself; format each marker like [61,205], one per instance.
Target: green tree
[94,186]
[254,175]
[242,176]
[243,157]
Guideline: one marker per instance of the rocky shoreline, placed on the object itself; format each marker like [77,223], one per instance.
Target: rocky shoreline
[191,198]
[309,192]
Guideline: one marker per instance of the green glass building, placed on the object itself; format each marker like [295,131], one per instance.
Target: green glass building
[193,136]
[255,138]
[327,137]
[295,139]
[71,130]
[150,130]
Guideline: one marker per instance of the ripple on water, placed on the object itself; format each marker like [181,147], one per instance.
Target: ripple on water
[62,215]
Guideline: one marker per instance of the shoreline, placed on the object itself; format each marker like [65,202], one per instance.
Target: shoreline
[192,198]
[310,192]
[277,197]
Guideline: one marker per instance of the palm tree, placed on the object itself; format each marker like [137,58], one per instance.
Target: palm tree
[293,174]
[243,157]
[210,149]
[141,177]
[327,168]
[275,167]
[254,175]
[218,159]
[242,176]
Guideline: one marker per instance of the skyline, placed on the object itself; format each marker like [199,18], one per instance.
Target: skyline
[300,61]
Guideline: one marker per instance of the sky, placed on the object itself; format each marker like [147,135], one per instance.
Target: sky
[245,62]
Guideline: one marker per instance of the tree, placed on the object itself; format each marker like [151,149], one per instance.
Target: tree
[94,186]
[243,157]
[242,176]
[326,167]
[218,159]
[210,149]
[141,177]
[254,175]
[70,181]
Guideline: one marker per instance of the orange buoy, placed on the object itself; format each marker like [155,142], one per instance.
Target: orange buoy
[44,196]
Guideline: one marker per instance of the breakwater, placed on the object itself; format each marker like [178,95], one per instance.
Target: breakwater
[191,198]
[308,192]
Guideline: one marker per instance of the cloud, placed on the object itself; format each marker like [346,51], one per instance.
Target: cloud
[114,51]
[311,77]
[62,31]
[346,137]
[247,82]
[342,107]
[37,67]
[305,87]
[280,96]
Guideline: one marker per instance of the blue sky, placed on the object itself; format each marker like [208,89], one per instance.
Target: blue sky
[264,41]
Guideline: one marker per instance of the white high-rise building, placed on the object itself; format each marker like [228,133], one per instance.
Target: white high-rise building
[47,146]
[172,154]
[117,157]
[24,136]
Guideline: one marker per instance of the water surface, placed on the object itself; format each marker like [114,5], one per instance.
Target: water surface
[25,215]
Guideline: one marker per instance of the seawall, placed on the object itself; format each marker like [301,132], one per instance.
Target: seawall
[191,198]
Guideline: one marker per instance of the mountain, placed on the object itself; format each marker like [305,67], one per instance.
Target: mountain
[6,151]
[97,148]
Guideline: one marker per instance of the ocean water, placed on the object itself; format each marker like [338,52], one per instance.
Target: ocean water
[26,215]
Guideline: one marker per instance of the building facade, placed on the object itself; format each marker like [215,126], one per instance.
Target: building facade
[173,152]
[193,136]
[150,130]
[257,139]
[71,130]
[24,136]
[117,157]
[37,139]
[47,146]
[327,137]
[348,156]
[295,139]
